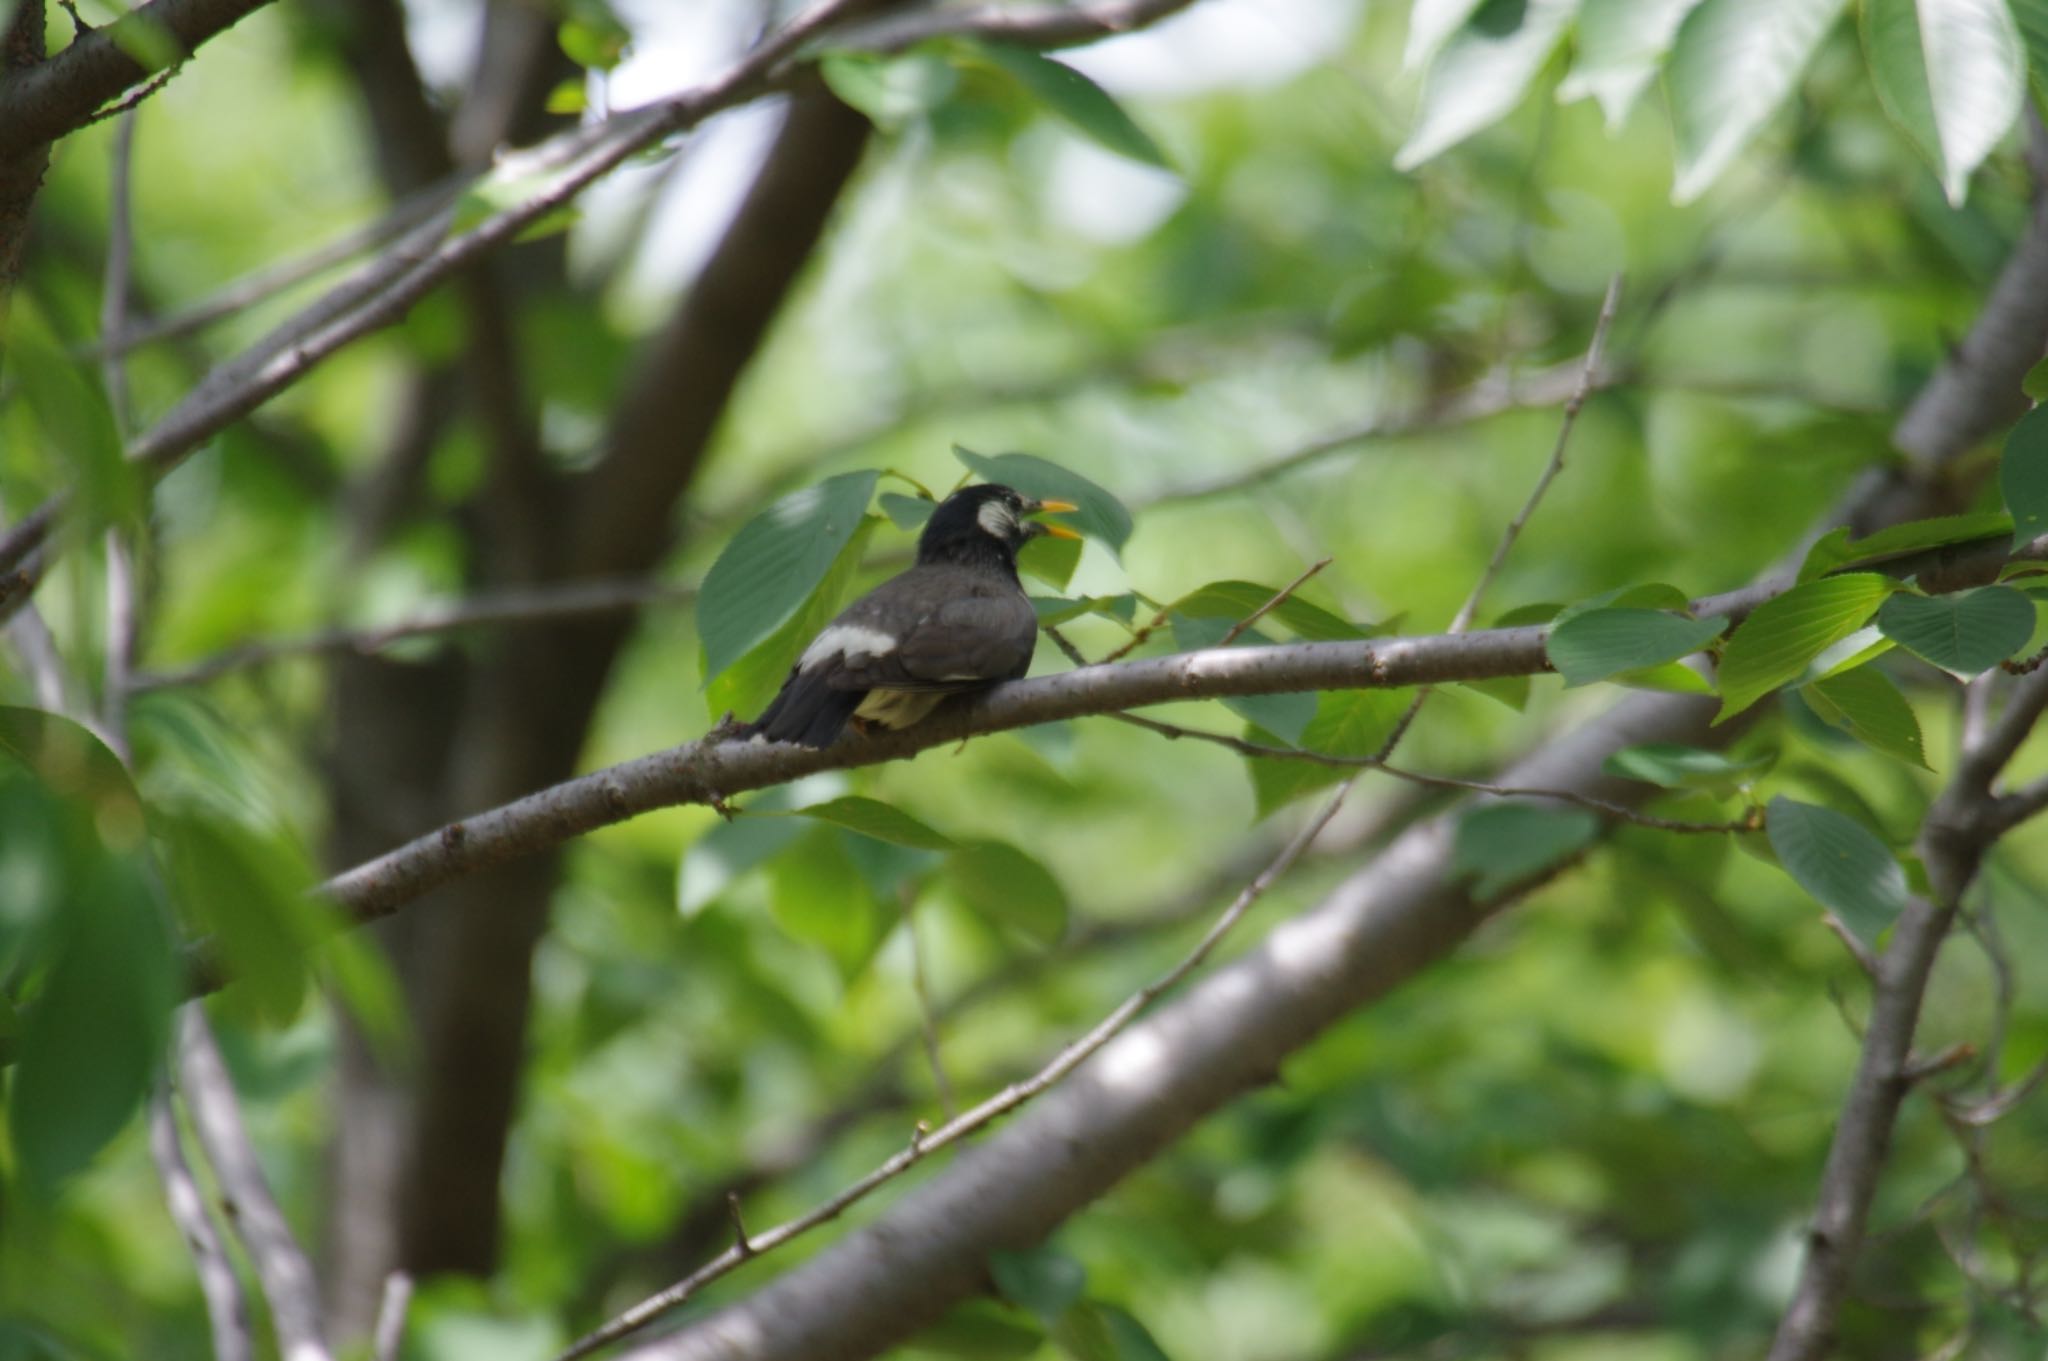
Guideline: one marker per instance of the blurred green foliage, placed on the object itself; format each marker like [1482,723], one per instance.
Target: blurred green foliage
[1593,1133]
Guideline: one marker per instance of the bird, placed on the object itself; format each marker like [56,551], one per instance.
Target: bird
[956,620]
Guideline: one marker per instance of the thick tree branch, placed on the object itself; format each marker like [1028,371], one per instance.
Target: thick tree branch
[62,94]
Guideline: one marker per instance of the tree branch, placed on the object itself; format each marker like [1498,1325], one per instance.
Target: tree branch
[63,94]
[226,1312]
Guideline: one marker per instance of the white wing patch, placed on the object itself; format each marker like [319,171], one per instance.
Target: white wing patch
[846,640]
[996,518]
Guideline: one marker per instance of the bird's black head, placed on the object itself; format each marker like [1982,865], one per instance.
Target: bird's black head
[985,526]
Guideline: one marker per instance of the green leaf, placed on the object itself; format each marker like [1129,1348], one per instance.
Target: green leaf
[1430,24]
[1594,646]
[70,414]
[1836,549]
[747,685]
[775,563]
[2035,383]
[1776,642]
[1951,73]
[1867,705]
[1733,64]
[980,1330]
[1840,862]
[1512,691]
[818,895]
[2032,17]
[1507,843]
[1968,632]
[1346,723]
[1284,715]
[1056,610]
[1482,72]
[883,822]
[1077,99]
[2023,477]
[249,893]
[594,40]
[892,91]
[1672,677]
[1235,600]
[1681,767]
[1101,516]
[94,1033]
[1093,1331]
[906,512]
[1050,560]
[1041,1280]
[1620,45]
[1003,884]
[1649,595]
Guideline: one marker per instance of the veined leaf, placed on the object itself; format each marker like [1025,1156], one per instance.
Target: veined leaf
[884,822]
[1867,705]
[1967,632]
[1776,642]
[1506,843]
[1596,645]
[1840,862]
[1101,516]
[1836,549]
[1951,73]
[749,683]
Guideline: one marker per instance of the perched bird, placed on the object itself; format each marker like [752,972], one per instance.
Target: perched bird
[957,620]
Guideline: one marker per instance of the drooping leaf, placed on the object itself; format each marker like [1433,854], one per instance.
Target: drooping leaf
[1346,723]
[1005,885]
[774,564]
[1430,25]
[1512,691]
[884,822]
[1866,704]
[1836,549]
[1050,560]
[249,894]
[1077,99]
[1681,767]
[1840,862]
[1596,645]
[1044,1281]
[1951,73]
[2032,19]
[980,1330]
[1506,843]
[1774,645]
[2023,476]
[1648,595]
[749,683]
[1101,516]
[1482,72]
[728,850]
[906,512]
[1732,65]
[1620,44]
[593,39]
[1966,632]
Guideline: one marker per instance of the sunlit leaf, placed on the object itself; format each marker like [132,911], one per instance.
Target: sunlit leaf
[1732,65]
[892,91]
[1782,635]
[1951,73]
[1620,46]
[1482,72]
[747,685]
[775,563]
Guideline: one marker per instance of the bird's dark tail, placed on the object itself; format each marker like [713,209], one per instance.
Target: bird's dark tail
[805,711]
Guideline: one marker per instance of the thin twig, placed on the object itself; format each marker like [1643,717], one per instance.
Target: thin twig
[1279,598]
[924,1142]
[1589,371]
[927,1014]
[227,1313]
[282,1268]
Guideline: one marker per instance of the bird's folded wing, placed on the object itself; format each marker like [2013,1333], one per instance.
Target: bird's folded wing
[965,642]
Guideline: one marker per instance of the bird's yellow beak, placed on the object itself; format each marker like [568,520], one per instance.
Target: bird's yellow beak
[1056,530]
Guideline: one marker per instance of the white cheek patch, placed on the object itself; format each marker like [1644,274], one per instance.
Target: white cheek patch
[848,640]
[995,517]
